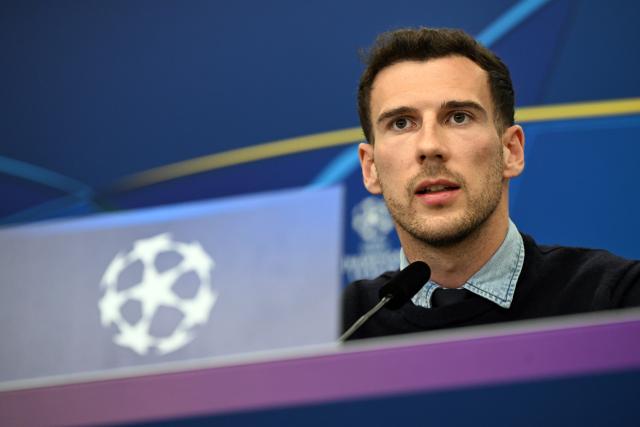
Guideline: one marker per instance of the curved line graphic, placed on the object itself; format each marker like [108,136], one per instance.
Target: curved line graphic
[338,169]
[578,110]
[508,20]
[241,155]
[43,176]
[350,136]
[76,192]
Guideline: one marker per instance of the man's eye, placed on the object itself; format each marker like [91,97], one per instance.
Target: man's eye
[401,123]
[459,117]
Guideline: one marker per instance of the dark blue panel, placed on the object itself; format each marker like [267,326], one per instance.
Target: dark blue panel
[599,57]
[125,86]
[580,185]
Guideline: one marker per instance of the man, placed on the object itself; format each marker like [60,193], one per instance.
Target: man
[437,110]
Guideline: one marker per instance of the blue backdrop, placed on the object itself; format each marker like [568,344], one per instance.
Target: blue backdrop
[126,104]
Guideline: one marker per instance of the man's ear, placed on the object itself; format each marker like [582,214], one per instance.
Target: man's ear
[513,151]
[369,171]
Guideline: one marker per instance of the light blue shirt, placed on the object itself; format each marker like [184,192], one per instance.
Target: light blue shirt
[495,281]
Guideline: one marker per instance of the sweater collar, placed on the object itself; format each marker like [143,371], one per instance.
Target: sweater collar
[495,281]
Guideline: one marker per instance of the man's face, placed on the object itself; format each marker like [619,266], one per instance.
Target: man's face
[437,156]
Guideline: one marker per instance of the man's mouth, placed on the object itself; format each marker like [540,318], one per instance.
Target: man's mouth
[439,192]
[436,187]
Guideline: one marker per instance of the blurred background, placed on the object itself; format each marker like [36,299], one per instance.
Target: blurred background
[117,105]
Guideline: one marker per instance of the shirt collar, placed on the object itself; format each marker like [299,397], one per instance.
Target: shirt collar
[495,281]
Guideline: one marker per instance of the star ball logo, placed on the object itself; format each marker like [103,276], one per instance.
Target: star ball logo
[157,294]
[373,224]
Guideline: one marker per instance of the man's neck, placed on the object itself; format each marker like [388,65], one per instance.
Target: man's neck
[451,266]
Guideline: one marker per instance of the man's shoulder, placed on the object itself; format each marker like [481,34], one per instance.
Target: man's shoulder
[604,278]
[573,256]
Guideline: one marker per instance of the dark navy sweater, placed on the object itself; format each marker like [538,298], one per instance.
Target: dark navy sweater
[554,281]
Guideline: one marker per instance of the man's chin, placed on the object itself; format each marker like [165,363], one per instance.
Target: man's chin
[445,239]
[443,233]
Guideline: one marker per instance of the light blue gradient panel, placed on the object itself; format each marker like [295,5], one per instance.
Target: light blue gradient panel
[347,161]
[164,214]
[276,277]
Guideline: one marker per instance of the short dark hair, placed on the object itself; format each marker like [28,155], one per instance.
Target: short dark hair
[422,44]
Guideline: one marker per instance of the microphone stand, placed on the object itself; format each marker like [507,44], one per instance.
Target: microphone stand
[400,289]
[364,318]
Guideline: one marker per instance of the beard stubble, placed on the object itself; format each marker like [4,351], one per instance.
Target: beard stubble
[478,210]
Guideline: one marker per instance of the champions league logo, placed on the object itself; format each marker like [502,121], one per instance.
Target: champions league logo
[156,294]
[371,220]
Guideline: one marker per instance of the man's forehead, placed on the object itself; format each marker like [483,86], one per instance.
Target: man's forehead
[435,81]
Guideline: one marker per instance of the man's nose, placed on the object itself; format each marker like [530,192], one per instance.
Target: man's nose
[431,143]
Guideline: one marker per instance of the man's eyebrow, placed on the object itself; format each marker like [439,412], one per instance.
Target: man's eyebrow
[394,112]
[453,105]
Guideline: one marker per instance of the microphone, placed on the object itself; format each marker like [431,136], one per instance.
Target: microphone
[394,294]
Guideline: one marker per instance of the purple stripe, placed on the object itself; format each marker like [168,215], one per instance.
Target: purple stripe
[349,374]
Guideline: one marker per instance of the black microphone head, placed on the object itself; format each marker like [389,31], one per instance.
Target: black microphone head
[405,284]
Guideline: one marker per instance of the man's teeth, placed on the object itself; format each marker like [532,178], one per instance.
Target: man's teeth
[435,188]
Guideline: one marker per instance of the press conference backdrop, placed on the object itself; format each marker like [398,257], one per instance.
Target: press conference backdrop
[110,106]
[120,105]
[126,107]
